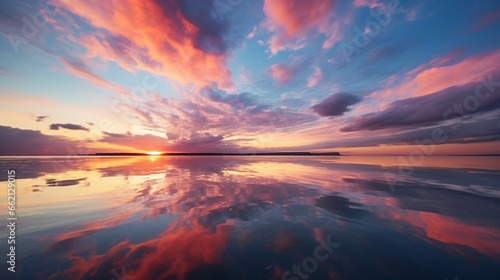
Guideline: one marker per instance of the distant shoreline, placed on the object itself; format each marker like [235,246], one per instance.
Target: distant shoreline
[235,154]
[219,154]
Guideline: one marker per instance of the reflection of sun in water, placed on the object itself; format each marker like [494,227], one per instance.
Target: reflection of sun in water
[154,153]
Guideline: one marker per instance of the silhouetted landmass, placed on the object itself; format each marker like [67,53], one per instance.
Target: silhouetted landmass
[225,154]
[477,155]
[118,154]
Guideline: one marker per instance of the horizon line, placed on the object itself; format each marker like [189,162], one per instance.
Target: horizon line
[235,154]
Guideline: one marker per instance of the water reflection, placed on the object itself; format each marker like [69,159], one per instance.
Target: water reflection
[256,218]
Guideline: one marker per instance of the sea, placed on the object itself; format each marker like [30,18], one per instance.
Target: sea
[250,217]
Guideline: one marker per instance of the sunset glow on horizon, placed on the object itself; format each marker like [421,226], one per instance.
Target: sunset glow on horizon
[382,77]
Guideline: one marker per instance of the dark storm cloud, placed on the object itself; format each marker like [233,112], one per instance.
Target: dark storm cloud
[451,103]
[336,104]
[70,126]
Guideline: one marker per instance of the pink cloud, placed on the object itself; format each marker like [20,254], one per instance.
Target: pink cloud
[367,3]
[433,76]
[413,13]
[253,33]
[315,78]
[438,61]
[468,70]
[292,21]
[334,30]
[282,73]
[486,20]
[80,70]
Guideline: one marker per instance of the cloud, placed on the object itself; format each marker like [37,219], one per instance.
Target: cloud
[177,245]
[202,143]
[412,14]
[212,31]
[79,69]
[336,104]
[145,142]
[116,135]
[372,4]
[11,17]
[388,51]
[183,41]
[70,126]
[315,78]
[479,131]
[196,142]
[434,76]
[17,142]
[239,100]
[236,117]
[438,61]
[486,20]
[253,33]
[41,118]
[450,103]
[282,73]
[117,48]
[136,112]
[292,21]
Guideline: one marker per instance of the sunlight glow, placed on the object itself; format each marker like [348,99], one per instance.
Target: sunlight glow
[154,153]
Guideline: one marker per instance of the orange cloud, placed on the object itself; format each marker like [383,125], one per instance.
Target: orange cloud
[160,39]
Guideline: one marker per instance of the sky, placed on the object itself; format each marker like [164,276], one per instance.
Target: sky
[408,77]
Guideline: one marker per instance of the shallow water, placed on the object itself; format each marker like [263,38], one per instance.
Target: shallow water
[254,218]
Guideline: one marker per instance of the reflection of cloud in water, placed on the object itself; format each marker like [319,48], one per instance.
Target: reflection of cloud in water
[64,183]
[341,206]
[175,253]
[230,218]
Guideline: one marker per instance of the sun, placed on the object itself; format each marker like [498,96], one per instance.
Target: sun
[154,153]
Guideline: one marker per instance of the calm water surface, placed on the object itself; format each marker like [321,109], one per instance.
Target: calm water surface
[254,218]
